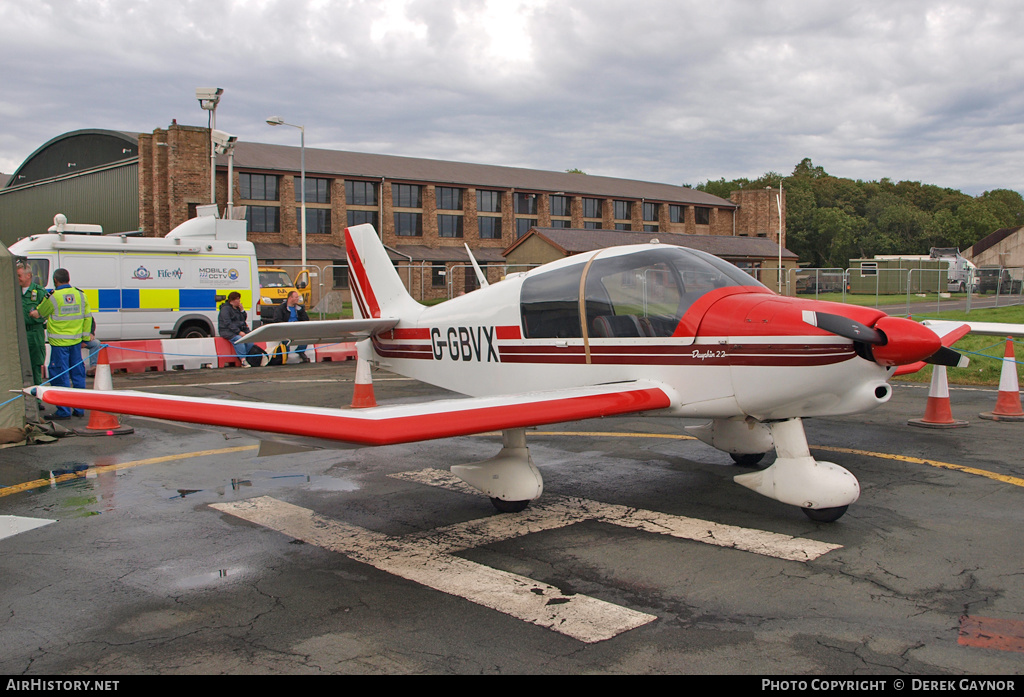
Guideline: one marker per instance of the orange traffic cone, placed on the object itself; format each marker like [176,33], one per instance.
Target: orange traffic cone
[363,397]
[937,413]
[1008,400]
[100,422]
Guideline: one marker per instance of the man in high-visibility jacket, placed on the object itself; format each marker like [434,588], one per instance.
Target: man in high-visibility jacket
[68,323]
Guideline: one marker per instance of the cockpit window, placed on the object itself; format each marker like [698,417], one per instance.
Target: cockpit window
[641,294]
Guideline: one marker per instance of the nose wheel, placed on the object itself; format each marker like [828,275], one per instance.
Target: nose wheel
[825,515]
[509,506]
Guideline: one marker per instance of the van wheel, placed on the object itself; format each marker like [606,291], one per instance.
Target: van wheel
[193,331]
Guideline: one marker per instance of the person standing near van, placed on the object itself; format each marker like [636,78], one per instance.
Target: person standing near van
[232,324]
[68,323]
[35,327]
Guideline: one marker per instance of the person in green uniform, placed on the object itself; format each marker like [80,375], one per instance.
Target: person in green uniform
[31,295]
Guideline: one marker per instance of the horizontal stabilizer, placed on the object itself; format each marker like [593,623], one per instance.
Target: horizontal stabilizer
[321,331]
[404,423]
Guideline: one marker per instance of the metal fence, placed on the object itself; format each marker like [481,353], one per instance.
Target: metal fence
[915,289]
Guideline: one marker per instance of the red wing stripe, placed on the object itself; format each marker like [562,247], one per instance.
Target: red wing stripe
[381,425]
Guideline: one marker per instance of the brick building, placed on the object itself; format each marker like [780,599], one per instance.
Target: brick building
[425,210]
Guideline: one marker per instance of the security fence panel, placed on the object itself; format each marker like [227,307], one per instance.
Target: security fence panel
[818,282]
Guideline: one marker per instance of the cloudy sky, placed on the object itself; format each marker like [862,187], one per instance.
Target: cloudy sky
[661,90]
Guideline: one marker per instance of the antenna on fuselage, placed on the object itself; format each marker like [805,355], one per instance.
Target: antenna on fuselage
[476,267]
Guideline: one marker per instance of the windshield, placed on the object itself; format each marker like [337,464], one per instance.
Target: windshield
[275,279]
[639,294]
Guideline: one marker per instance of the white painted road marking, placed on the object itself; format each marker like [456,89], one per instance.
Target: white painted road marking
[11,525]
[560,511]
[429,558]
[581,617]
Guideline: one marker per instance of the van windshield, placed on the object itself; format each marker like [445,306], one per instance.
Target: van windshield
[275,279]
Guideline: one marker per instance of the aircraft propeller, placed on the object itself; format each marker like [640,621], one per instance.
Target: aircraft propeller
[892,341]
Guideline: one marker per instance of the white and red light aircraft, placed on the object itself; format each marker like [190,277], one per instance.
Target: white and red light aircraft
[643,328]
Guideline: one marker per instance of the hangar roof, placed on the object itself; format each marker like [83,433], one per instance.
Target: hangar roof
[575,241]
[76,151]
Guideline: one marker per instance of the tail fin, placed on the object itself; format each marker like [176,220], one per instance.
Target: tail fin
[377,289]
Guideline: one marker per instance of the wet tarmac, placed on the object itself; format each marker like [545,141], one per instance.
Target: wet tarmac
[179,550]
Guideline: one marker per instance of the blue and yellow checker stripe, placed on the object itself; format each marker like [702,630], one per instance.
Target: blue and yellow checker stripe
[176,299]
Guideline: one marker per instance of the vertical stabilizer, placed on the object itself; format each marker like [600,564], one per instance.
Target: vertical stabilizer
[377,289]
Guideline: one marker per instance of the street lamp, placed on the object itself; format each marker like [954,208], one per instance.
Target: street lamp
[278,121]
[209,98]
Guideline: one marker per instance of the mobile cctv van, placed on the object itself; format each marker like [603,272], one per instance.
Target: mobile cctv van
[146,287]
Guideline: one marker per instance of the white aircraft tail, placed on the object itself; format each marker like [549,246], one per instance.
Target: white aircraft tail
[377,289]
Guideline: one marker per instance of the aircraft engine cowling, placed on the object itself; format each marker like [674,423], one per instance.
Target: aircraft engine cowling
[746,437]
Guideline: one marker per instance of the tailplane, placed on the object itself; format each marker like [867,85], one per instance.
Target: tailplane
[377,289]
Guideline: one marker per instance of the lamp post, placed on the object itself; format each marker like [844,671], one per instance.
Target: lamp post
[209,98]
[278,121]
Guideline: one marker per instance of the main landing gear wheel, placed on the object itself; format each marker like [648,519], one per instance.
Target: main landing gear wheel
[747,459]
[509,506]
[825,515]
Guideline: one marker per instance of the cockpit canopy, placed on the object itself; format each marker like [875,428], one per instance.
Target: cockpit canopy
[642,293]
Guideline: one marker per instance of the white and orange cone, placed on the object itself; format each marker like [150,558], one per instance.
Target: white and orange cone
[362,397]
[1008,401]
[937,413]
[100,422]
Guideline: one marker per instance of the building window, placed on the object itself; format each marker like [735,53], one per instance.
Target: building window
[449,225]
[318,220]
[591,225]
[340,272]
[438,275]
[523,226]
[650,228]
[526,204]
[623,210]
[406,196]
[488,201]
[490,227]
[591,208]
[622,226]
[317,190]
[560,223]
[258,187]
[409,224]
[359,193]
[560,205]
[263,218]
[448,198]
[360,217]
[677,214]
[651,211]
[702,215]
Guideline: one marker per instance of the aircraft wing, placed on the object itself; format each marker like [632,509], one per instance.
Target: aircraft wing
[984,328]
[320,331]
[386,425]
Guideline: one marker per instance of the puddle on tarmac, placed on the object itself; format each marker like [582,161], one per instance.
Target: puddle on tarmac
[266,481]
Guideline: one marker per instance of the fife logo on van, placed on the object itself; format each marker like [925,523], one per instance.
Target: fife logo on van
[167,273]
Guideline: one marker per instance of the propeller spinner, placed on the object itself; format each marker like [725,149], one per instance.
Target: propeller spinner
[893,341]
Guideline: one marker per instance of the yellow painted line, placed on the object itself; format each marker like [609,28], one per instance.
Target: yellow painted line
[1016,481]
[42,483]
